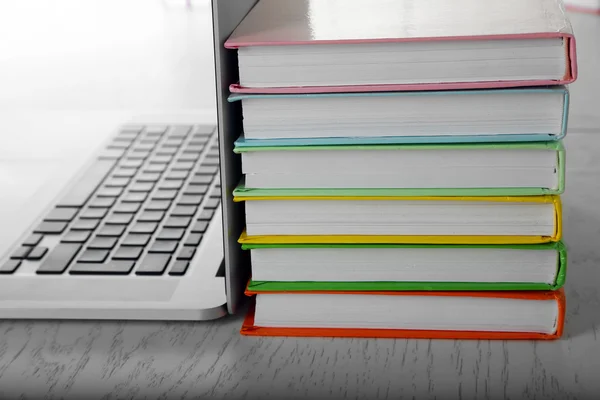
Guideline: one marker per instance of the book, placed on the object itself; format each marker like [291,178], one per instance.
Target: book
[389,219]
[489,168]
[585,6]
[500,115]
[381,45]
[370,267]
[419,315]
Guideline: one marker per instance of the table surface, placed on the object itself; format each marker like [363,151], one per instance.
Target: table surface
[61,74]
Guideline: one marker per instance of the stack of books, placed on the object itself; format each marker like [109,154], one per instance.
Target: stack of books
[402,166]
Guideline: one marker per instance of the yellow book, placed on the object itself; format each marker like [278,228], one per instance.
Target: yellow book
[401,219]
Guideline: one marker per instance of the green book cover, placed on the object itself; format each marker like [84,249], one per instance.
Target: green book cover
[561,271]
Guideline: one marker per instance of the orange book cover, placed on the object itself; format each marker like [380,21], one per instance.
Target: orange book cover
[249,328]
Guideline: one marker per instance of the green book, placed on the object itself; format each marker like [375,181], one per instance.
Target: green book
[479,169]
[341,267]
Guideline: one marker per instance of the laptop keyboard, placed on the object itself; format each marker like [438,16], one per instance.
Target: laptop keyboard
[141,208]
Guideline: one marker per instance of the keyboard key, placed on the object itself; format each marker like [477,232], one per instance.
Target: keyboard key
[109,192]
[119,144]
[176,175]
[131,163]
[212,152]
[114,267]
[85,224]
[148,177]
[200,227]
[153,140]
[130,130]
[93,256]
[206,215]
[59,258]
[124,140]
[144,227]
[103,243]
[155,168]
[119,219]
[158,205]
[161,159]
[135,197]
[21,253]
[124,173]
[128,253]
[163,246]
[111,230]
[153,264]
[102,202]
[171,234]
[151,216]
[93,213]
[127,208]
[167,151]
[171,184]
[117,182]
[195,190]
[81,192]
[144,147]
[142,187]
[156,130]
[65,214]
[194,149]
[203,130]
[202,179]
[193,240]
[189,157]
[172,143]
[164,195]
[187,253]
[216,193]
[33,240]
[189,200]
[206,170]
[37,253]
[76,237]
[177,222]
[211,161]
[139,153]
[180,131]
[136,239]
[184,211]
[183,166]
[212,203]
[51,228]
[10,266]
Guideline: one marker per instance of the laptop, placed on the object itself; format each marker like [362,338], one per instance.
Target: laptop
[146,228]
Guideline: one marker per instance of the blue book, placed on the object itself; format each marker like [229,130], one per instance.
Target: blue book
[463,116]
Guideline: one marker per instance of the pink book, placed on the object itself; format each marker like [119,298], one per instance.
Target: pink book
[320,46]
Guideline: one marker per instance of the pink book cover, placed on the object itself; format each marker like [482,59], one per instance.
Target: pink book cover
[314,22]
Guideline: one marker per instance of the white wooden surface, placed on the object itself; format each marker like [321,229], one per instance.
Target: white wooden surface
[66,78]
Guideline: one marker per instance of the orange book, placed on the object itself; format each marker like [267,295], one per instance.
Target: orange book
[411,315]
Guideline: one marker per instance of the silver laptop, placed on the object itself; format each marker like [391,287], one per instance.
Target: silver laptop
[146,229]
